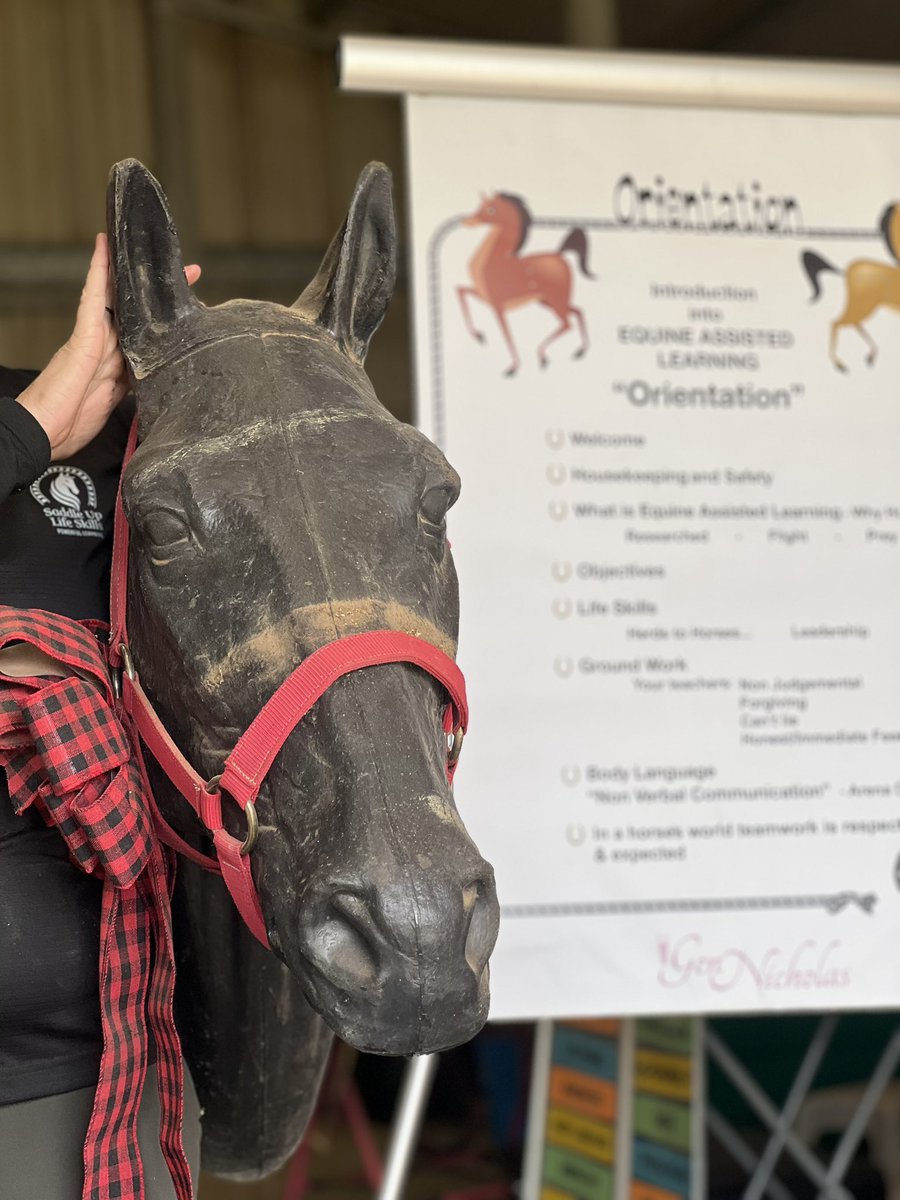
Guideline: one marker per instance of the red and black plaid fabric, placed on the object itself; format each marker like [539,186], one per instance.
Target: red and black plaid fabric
[65,750]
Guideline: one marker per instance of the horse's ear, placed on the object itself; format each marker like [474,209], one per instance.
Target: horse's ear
[350,294]
[152,294]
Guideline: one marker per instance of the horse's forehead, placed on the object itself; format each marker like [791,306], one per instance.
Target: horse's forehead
[263,393]
[261,364]
[261,436]
[312,448]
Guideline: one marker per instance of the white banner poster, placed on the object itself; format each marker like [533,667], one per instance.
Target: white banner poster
[678,542]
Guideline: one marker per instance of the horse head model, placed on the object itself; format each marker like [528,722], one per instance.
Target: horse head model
[503,278]
[869,286]
[277,510]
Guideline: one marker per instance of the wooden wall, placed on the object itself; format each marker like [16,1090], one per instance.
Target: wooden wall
[256,149]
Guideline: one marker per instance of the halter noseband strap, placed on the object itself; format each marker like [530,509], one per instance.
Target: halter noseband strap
[248,763]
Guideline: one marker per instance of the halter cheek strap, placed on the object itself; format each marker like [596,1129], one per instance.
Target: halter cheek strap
[249,762]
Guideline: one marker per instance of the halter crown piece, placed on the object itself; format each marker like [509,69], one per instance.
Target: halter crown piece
[248,763]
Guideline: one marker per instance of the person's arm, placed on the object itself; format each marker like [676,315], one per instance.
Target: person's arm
[24,447]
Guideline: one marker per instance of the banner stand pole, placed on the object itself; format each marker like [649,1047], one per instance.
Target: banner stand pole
[417,1081]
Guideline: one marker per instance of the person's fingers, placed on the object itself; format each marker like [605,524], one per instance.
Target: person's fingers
[98,271]
[118,392]
[111,345]
[108,373]
[192,273]
[90,320]
[108,368]
[110,284]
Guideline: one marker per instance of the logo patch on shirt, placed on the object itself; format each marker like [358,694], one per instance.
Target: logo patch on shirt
[69,500]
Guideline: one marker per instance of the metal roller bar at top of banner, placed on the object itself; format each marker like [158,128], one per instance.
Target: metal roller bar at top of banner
[424,67]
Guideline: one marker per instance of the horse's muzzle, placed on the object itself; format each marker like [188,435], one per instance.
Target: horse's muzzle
[402,969]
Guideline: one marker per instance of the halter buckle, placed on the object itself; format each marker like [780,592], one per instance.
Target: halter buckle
[252,837]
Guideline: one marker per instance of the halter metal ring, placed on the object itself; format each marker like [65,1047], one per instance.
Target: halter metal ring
[127,660]
[455,748]
[249,812]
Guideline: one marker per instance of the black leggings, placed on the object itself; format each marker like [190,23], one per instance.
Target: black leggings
[41,1144]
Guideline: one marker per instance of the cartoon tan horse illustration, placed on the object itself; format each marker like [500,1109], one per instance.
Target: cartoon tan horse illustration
[504,279]
[870,285]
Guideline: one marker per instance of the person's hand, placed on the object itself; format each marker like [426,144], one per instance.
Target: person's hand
[74,395]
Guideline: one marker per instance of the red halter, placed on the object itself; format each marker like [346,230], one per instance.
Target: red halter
[248,763]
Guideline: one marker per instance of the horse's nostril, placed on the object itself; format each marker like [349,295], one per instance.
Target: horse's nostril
[480,906]
[345,943]
[352,908]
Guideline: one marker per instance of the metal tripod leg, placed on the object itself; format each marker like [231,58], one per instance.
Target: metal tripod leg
[768,1113]
[812,1060]
[411,1106]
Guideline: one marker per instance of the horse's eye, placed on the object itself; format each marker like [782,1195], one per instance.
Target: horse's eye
[165,529]
[433,508]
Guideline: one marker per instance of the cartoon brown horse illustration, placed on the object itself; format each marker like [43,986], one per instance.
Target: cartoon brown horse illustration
[505,279]
[870,285]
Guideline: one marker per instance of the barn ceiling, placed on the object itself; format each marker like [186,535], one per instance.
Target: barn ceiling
[868,30]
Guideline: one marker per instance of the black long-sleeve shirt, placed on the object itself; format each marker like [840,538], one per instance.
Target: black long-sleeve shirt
[24,447]
[55,545]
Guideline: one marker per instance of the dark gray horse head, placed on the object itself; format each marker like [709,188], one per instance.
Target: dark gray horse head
[275,505]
